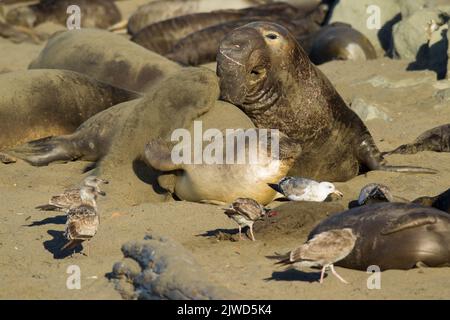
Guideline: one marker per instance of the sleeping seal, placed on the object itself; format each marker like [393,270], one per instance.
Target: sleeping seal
[40,103]
[94,13]
[265,72]
[393,236]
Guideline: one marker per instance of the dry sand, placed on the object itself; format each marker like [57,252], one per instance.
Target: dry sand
[31,265]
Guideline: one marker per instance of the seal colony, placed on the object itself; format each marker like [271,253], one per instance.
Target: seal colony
[133,99]
[329,128]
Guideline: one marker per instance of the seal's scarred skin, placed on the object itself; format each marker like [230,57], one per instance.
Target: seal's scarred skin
[265,72]
[393,236]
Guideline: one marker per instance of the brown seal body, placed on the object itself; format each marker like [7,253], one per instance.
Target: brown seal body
[264,71]
[161,37]
[39,103]
[393,236]
[104,56]
[339,41]
[436,139]
[94,13]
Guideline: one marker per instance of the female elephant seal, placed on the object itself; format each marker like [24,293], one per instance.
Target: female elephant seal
[94,13]
[393,236]
[264,71]
[39,103]
[104,56]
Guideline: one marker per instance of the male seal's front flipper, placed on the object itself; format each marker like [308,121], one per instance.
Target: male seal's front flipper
[43,151]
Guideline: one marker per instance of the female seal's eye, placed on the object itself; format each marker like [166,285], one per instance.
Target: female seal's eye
[272,36]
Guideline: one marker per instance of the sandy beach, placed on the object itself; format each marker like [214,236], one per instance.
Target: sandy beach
[32,267]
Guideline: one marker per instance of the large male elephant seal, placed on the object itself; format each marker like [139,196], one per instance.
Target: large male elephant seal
[265,72]
[436,139]
[39,103]
[393,236]
[94,13]
[104,56]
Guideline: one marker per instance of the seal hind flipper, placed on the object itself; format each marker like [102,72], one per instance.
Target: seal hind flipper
[43,151]
[412,220]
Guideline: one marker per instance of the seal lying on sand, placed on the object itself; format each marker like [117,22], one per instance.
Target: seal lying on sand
[161,37]
[94,13]
[39,103]
[264,71]
[436,139]
[106,57]
[157,11]
[250,180]
[337,41]
[393,236]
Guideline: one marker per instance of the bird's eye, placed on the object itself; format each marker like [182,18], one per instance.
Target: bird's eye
[272,36]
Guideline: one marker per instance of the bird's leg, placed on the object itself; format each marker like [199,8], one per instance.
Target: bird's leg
[251,233]
[240,233]
[324,268]
[336,274]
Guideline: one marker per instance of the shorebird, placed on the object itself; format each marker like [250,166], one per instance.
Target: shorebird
[245,211]
[374,193]
[302,189]
[72,197]
[82,219]
[324,249]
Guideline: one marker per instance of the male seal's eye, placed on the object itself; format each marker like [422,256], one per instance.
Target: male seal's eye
[272,36]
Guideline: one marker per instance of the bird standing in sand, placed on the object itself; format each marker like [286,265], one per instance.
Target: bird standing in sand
[72,197]
[82,220]
[374,193]
[324,249]
[302,189]
[245,212]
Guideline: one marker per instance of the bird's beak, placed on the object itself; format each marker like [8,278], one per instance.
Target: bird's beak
[338,193]
[102,193]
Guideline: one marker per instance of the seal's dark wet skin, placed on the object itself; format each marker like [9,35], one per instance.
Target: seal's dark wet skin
[419,234]
[265,72]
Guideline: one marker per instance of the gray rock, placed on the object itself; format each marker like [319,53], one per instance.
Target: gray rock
[161,269]
[368,111]
[415,38]
[354,12]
